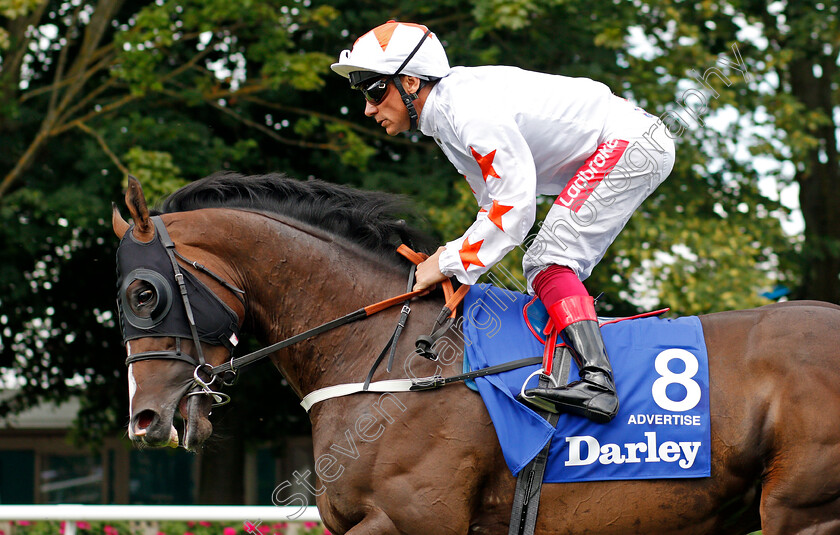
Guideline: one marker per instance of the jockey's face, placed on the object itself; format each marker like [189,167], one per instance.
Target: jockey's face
[391,113]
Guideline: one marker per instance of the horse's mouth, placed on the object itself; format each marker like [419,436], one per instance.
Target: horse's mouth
[151,427]
[195,410]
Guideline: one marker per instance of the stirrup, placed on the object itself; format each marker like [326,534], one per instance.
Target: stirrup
[538,402]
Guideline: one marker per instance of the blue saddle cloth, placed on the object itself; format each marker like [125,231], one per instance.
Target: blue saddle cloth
[662,429]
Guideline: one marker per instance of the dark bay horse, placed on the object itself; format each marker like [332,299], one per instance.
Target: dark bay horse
[305,253]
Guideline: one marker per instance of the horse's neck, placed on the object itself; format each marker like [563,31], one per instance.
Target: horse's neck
[296,280]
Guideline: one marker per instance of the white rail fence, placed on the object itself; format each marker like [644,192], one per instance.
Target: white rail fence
[71,513]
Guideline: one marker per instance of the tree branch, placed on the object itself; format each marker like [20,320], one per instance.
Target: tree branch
[269,132]
[67,80]
[80,74]
[246,93]
[12,61]
[99,22]
[86,99]
[62,62]
[23,162]
[101,111]
[262,128]
[96,55]
[349,124]
[107,150]
[26,160]
[124,100]
[18,33]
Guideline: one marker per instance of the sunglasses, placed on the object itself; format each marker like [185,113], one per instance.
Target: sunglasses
[375,92]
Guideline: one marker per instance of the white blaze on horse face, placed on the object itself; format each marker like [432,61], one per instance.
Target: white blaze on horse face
[132,387]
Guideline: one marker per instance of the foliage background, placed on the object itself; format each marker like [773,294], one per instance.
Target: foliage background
[173,90]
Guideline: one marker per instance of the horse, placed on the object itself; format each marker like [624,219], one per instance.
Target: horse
[285,255]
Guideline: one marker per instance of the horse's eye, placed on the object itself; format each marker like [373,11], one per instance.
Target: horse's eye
[145,296]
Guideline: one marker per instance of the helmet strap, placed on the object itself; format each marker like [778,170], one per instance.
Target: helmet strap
[408,99]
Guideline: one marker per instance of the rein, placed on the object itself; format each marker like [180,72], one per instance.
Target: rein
[227,372]
[453,298]
[235,363]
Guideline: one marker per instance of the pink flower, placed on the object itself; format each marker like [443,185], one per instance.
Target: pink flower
[205,524]
[327,532]
[188,533]
[310,525]
[82,525]
[229,531]
[24,523]
[109,530]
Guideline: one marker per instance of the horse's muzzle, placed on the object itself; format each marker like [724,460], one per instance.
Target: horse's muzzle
[149,429]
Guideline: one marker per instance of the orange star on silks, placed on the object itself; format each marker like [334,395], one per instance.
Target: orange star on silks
[485,163]
[496,213]
[469,253]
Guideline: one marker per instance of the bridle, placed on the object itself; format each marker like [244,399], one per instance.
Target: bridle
[204,374]
[229,339]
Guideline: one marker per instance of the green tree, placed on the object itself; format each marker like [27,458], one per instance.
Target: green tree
[786,101]
[92,91]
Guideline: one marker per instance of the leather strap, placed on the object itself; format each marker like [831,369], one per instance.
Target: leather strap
[390,385]
[406,385]
[395,337]
[406,310]
[526,498]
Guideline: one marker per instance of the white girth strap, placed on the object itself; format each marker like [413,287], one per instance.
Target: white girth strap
[391,385]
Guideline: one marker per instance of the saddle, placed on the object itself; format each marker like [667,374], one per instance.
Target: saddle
[661,431]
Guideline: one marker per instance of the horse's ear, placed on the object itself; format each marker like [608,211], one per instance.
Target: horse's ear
[120,225]
[136,202]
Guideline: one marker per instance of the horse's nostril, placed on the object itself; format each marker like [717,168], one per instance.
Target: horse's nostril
[144,419]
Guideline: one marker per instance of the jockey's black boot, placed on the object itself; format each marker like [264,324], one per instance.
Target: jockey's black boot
[593,396]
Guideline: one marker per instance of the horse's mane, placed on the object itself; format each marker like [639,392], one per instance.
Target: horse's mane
[366,218]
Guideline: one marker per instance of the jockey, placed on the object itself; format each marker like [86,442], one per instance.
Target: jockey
[515,134]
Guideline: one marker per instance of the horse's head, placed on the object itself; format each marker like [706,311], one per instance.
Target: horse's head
[178,321]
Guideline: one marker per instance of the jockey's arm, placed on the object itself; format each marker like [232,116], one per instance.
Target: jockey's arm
[506,187]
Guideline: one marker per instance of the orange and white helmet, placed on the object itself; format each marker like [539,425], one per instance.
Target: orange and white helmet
[395,48]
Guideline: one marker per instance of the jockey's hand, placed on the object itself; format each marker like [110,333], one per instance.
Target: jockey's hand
[428,273]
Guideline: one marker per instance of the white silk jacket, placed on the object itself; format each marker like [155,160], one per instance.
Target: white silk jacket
[514,134]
